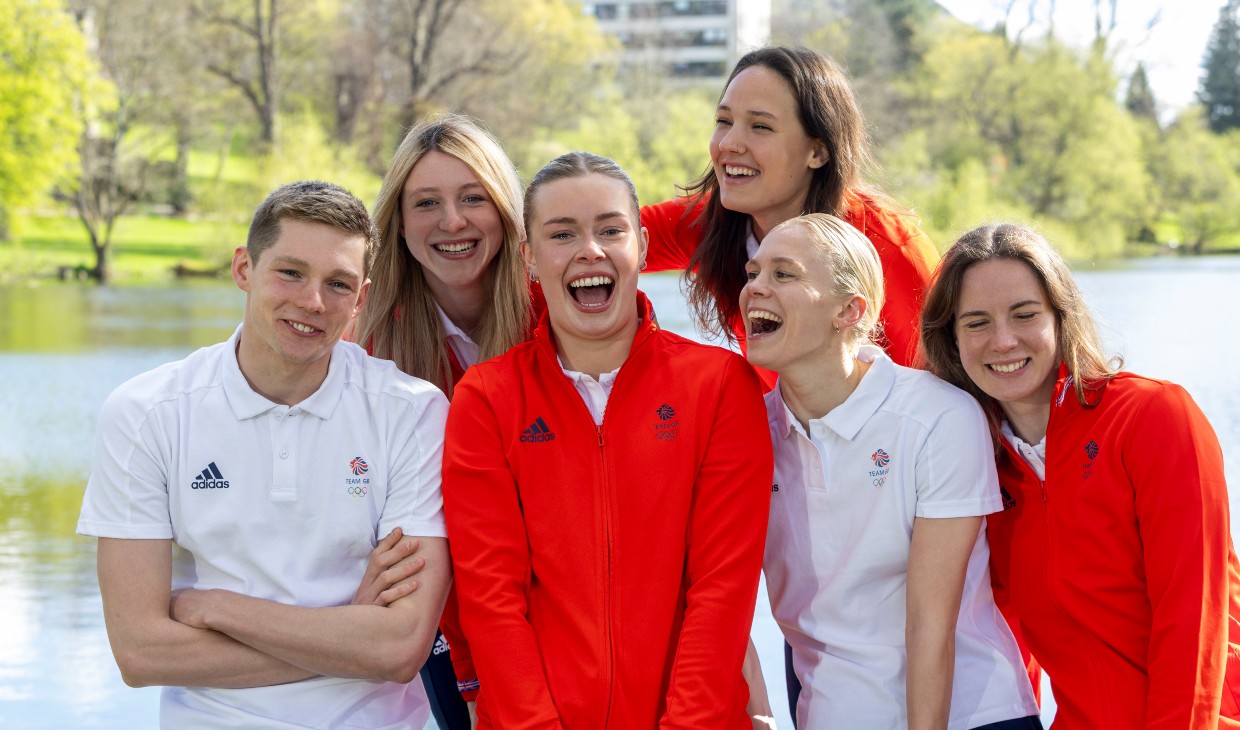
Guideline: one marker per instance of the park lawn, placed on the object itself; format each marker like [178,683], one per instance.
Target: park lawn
[144,247]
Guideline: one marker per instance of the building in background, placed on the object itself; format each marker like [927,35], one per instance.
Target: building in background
[691,41]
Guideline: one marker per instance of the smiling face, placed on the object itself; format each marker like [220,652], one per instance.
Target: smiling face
[302,292]
[1007,333]
[790,308]
[449,223]
[586,246]
[761,155]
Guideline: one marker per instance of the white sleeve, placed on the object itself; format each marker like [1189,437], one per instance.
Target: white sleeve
[955,470]
[127,494]
[414,500]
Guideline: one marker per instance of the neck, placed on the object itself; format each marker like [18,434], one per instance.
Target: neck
[285,383]
[1028,420]
[813,389]
[463,306]
[595,357]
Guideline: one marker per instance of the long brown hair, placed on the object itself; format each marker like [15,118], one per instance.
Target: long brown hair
[1079,344]
[828,112]
[400,321]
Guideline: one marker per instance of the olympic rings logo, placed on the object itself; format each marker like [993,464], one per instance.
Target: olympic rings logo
[357,491]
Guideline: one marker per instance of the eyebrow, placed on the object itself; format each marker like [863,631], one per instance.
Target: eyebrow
[1017,305]
[569,220]
[778,260]
[434,189]
[753,112]
[300,263]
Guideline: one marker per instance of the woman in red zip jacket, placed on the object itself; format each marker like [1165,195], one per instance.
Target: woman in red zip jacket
[1113,558]
[606,487]
[789,139]
[448,290]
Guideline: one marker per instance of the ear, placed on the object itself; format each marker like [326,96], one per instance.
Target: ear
[361,298]
[644,247]
[819,155]
[527,255]
[852,312]
[242,268]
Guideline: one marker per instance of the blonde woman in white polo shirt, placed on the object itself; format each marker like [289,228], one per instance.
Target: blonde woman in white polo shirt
[876,554]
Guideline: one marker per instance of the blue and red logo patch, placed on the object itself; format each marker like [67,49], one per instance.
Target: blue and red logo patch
[359,466]
[880,458]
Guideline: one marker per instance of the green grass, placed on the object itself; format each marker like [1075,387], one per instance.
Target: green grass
[144,247]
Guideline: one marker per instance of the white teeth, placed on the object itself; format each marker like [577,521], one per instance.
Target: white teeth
[455,247]
[763,314]
[592,281]
[734,170]
[1009,368]
[302,327]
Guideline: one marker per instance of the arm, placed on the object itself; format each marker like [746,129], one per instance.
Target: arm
[938,557]
[759,707]
[909,259]
[1173,459]
[369,642]
[727,533]
[491,556]
[674,234]
[150,647]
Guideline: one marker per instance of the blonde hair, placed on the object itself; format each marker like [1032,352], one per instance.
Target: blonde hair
[855,267]
[400,321]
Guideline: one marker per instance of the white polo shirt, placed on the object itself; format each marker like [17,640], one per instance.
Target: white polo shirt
[904,445]
[276,502]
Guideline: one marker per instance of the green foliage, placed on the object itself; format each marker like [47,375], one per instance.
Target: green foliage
[1220,87]
[1140,99]
[1197,175]
[1042,123]
[44,69]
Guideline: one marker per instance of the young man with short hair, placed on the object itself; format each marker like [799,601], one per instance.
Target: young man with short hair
[274,462]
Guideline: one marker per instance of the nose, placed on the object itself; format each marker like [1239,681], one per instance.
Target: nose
[732,140]
[1005,337]
[311,299]
[755,288]
[591,250]
[451,220]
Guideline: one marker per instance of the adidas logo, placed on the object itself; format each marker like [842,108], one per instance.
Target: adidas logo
[537,432]
[441,645]
[210,478]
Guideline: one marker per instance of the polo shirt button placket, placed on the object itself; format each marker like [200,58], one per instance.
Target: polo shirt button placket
[284,482]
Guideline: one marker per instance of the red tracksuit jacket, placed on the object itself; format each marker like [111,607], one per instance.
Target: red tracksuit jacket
[1118,569]
[907,255]
[607,575]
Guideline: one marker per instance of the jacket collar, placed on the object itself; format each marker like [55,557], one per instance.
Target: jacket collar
[647,324]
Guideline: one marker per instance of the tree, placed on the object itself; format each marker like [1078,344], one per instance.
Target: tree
[243,48]
[44,70]
[1197,175]
[1140,99]
[1220,86]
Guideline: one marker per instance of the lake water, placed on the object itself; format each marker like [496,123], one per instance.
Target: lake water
[63,349]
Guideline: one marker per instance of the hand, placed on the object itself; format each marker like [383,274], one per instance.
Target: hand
[390,571]
[761,722]
[473,714]
[189,606]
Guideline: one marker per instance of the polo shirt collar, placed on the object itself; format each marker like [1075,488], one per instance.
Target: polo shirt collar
[848,418]
[246,403]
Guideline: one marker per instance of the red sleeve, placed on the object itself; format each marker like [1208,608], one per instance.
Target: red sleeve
[727,533]
[458,646]
[674,234]
[1175,464]
[909,259]
[491,557]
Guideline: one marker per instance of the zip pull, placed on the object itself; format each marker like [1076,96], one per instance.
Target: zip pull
[1042,486]
[599,430]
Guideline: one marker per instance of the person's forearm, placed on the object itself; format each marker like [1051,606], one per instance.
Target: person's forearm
[158,657]
[759,707]
[928,683]
[365,642]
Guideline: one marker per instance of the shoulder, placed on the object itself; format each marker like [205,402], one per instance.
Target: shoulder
[696,359]
[887,228]
[168,383]
[935,403]
[381,379]
[1158,402]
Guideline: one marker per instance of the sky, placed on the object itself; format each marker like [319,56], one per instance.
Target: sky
[1172,49]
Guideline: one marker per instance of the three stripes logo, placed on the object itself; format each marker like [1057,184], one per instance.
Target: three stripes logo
[538,432]
[210,478]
